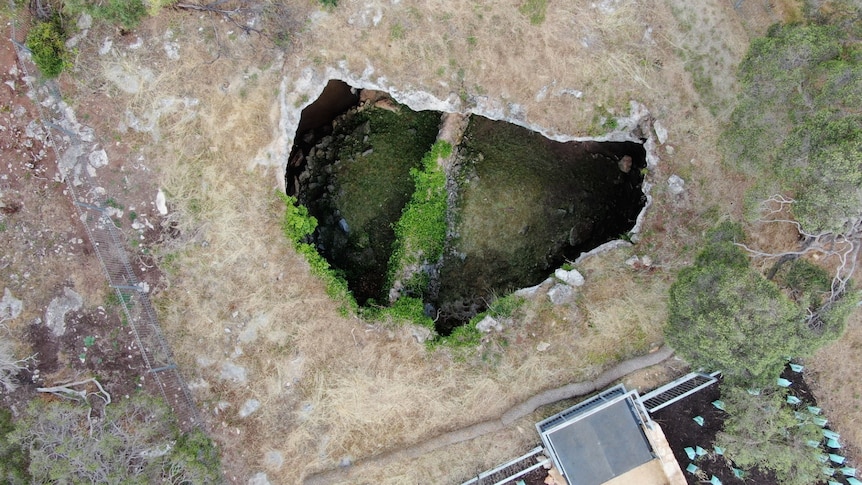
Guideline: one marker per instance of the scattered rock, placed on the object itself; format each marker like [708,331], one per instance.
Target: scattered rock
[660,132]
[543,346]
[259,478]
[676,184]
[233,372]
[10,307]
[55,315]
[571,277]
[249,407]
[646,261]
[250,332]
[633,261]
[273,460]
[489,323]
[172,50]
[106,46]
[161,203]
[560,294]
[421,334]
[97,159]
[85,21]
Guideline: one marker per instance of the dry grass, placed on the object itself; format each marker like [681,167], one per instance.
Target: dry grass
[333,387]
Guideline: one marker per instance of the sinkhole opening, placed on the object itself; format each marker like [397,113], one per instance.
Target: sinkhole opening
[516,205]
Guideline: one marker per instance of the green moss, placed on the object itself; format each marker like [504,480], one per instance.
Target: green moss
[420,233]
[298,224]
[534,10]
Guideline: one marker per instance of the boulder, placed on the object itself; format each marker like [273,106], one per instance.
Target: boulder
[489,323]
[560,294]
[55,315]
[249,407]
[10,307]
[571,277]
[676,184]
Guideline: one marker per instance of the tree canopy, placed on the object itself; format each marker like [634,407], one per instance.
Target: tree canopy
[724,315]
[797,128]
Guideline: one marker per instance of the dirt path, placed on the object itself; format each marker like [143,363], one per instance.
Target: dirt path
[342,475]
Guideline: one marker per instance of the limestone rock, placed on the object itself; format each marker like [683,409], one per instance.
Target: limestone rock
[249,407]
[489,323]
[273,459]
[625,164]
[676,184]
[161,203]
[233,372]
[660,132]
[259,478]
[55,315]
[10,307]
[571,277]
[560,294]
[543,346]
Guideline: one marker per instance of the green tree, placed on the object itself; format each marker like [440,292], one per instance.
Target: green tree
[796,129]
[763,431]
[13,460]
[725,316]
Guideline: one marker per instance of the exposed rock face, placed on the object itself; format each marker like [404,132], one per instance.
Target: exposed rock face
[10,307]
[489,323]
[55,315]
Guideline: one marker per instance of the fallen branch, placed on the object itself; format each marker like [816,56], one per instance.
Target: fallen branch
[66,391]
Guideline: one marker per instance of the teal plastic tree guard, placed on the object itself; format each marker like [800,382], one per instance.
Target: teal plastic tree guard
[853,481]
[793,400]
[754,392]
[796,367]
[719,404]
[828,471]
[819,421]
[814,410]
[698,420]
[714,480]
[822,458]
[813,444]
[838,459]
[738,473]
[690,452]
[834,444]
[782,382]
[848,472]
[832,435]
[692,468]
[700,451]
[833,482]
[718,450]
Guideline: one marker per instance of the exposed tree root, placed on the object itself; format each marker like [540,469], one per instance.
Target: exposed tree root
[341,475]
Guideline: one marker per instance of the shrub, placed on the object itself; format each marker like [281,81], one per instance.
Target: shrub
[46,40]
[13,460]
[725,316]
[763,431]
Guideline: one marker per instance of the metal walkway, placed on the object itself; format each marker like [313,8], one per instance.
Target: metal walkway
[511,471]
[676,390]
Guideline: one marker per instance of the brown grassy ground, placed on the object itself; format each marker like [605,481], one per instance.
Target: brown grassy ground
[331,387]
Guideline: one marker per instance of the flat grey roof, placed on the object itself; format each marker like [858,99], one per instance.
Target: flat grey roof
[599,444]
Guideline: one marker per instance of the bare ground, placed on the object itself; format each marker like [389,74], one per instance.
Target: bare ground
[204,126]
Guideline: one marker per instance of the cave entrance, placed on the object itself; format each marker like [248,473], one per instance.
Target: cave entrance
[520,204]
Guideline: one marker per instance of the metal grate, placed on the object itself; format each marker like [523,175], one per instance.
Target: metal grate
[676,390]
[90,201]
[581,407]
[512,470]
